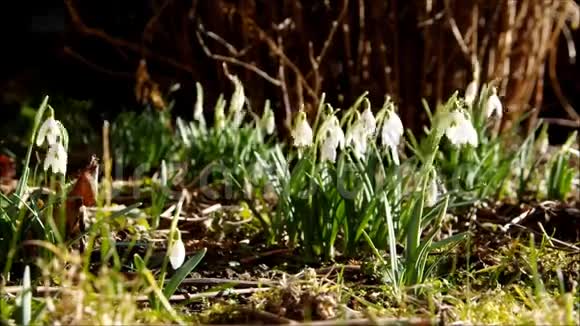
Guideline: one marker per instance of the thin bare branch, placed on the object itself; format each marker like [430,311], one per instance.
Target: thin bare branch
[77,56]
[82,28]
[237,62]
[456,32]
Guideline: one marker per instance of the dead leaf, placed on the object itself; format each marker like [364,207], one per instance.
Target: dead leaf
[81,194]
[146,90]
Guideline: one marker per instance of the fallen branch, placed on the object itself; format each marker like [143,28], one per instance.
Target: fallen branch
[233,282]
[213,294]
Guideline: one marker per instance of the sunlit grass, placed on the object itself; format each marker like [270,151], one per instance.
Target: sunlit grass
[401,207]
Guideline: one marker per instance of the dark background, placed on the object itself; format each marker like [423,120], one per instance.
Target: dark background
[45,54]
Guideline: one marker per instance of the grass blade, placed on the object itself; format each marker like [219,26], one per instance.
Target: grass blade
[182,273]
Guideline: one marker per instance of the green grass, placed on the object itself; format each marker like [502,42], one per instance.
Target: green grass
[415,230]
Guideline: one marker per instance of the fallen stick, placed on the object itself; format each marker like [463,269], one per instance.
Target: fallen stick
[234,282]
[196,296]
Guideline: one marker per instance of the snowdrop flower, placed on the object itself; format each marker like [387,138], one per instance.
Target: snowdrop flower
[357,137]
[542,145]
[269,121]
[368,120]
[56,158]
[163,174]
[237,101]
[331,126]
[391,133]
[220,117]
[302,132]
[332,138]
[328,149]
[432,192]
[471,92]
[460,130]
[176,252]
[49,130]
[198,108]
[493,105]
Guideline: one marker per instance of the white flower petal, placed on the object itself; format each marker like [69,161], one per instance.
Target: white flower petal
[369,121]
[471,135]
[432,193]
[177,253]
[270,123]
[357,137]
[471,92]
[460,130]
[41,135]
[49,130]
[237,102]
[392,131]
[47,163]
[56,158]
[493,106]
[198,109]
[302,132]
[332,137]
[328,150]
[331,128]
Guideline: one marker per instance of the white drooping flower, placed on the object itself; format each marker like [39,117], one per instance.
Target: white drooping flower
[542,145]
[471,92]
[237,102]
[392,130]
[432,192]
[357,137]
[50,131]
[368,120]
[56,158]
[391,133]
[269,121]
[302,132]
[460,130]
[163,174]
[176,252]
[198,109]
[219,115]
[493,105]
[332,138]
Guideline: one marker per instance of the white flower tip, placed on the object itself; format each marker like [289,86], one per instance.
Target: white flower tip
[49,130]
[302,132]
[56,159]
[163,173]
[177,254]
[392,130]
[238,97]
[460,130]
[471,92]
[270,122]
[369,120]
[493,106]
[357,136]
[432,195]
